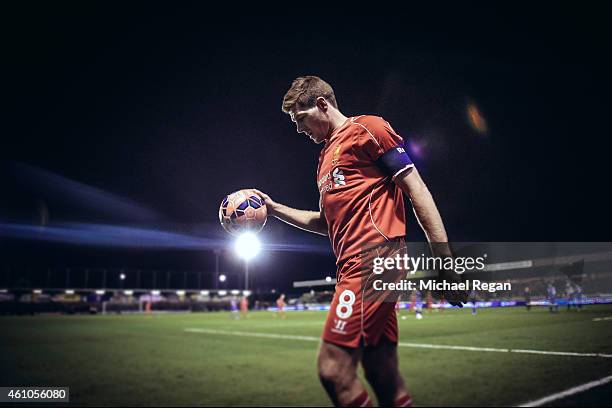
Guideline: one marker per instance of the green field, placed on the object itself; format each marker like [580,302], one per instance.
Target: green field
[154,360]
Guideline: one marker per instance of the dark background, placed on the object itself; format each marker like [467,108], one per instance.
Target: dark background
[172,107]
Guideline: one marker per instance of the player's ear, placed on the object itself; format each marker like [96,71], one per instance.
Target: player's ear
[322,104]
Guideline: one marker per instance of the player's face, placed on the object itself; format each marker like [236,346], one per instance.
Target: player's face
[313,122]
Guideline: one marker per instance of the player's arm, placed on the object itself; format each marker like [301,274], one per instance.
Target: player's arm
[423,204]
[428,216]
[385,147]
[312,221]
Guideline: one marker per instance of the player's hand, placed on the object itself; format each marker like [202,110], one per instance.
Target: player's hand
[454,297]
[271,205]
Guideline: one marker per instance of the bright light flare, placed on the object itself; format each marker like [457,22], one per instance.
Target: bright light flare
[247,246]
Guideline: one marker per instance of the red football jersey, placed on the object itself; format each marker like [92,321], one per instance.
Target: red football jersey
[360,201]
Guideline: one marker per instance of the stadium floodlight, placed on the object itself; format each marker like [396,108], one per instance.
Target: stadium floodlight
[247,246]
[128,292]
[155,292]
[222,292]
[180,292]
[235,292]
[3,291]
[69,292]
[222,278]
[37,291]
[122,276]
[246,292]
[328,279]
[99,292]
[204,292]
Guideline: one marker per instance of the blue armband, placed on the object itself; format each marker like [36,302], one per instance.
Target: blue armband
[394,161]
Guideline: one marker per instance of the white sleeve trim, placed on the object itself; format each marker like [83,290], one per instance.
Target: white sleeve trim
[402,170]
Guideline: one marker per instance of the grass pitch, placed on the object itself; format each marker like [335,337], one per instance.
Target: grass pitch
[153,360]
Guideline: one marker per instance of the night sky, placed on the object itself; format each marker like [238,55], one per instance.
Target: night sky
[172,108]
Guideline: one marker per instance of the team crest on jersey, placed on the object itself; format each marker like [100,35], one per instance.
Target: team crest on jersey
[336,157]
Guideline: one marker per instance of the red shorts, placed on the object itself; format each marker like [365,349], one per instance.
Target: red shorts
[351,318]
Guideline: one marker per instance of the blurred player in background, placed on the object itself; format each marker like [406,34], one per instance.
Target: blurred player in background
[280,304]
[569,293]
[473,298]
[429,301]
[578,297]
[244,307]
[527,294]
[234,308]
[362,174]
[418,304]
[551,294]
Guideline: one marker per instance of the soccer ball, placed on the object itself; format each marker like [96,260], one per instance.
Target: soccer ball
[243,211]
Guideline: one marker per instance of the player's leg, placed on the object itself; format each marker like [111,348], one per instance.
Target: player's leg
[379,357]
[381,369]
[337,367]
[340,350]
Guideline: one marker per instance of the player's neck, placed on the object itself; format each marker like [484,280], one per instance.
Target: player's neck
[337,119]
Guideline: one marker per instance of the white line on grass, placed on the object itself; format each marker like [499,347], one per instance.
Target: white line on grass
[568,392]
[600,319]
[412,345]
[250,334]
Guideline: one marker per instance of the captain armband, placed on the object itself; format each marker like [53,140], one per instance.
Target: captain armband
[394,161]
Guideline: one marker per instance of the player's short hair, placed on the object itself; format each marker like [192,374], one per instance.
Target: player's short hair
[304,92]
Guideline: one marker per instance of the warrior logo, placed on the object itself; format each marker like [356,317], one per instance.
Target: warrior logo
[339,326]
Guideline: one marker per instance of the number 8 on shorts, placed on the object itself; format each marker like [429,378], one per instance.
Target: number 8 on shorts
[345,304]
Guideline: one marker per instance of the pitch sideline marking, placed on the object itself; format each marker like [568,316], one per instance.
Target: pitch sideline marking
[600,319]
[254,334]
[568,392]
[411,345]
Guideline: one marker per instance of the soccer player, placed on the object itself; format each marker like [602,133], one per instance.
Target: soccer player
[473,298]
[527,294]
[442,304]
[551,293]
[280,304]
[418,304]
[234,308]
[578,297]
[244,307]
[569,292]
[429,301]
[362,174]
